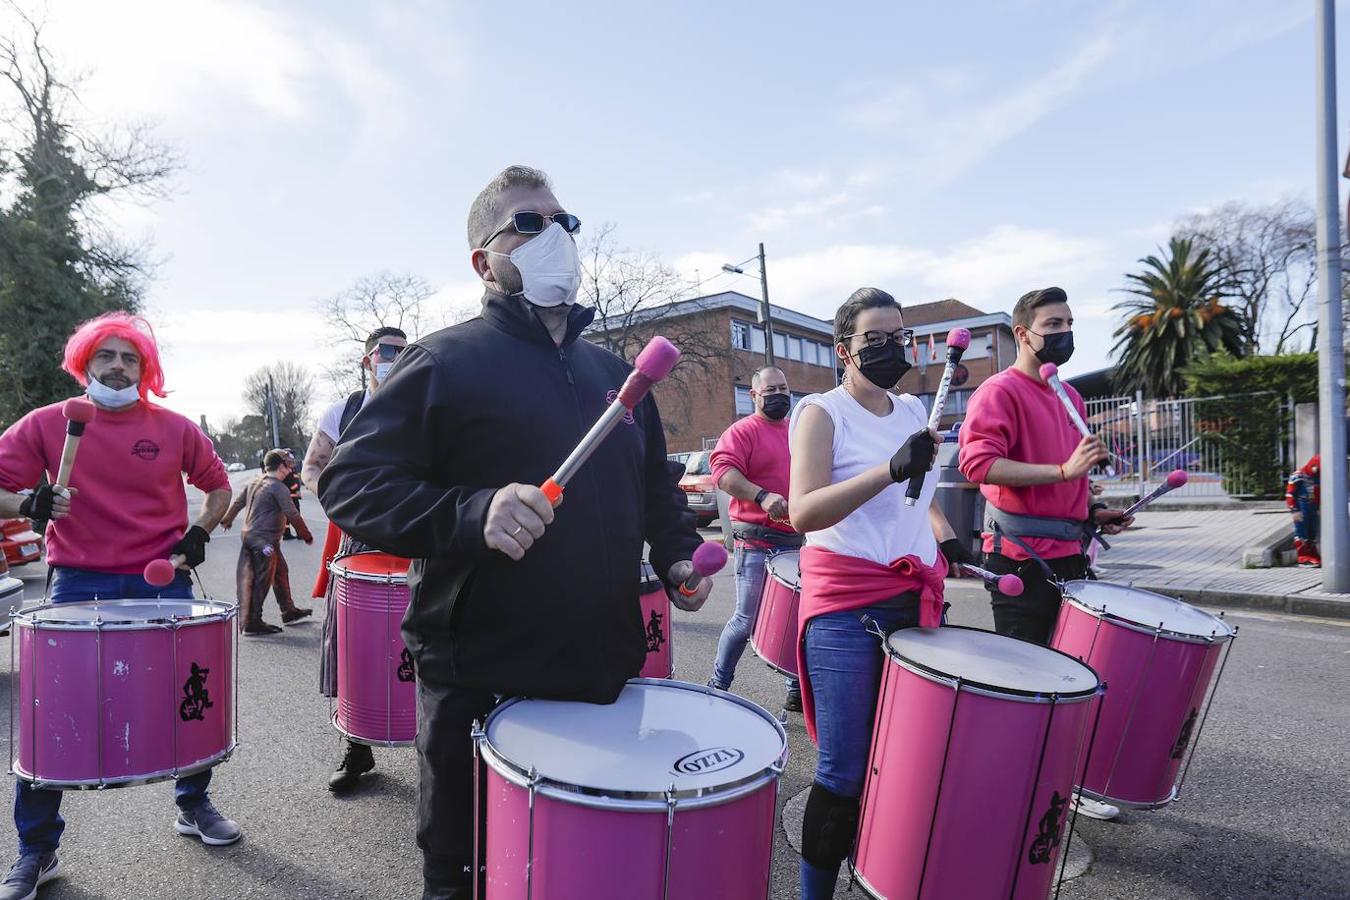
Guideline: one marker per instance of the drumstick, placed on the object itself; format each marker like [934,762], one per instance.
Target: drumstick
[1050,372]
[78,412]
[1175,479]
[709,559]
[652,364]
[1009,585]
[958,339]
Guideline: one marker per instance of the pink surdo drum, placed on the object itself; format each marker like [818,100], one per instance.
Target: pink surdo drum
[774,638]
[977,743]
[376,693]
[120,692]
[656,625]
[669,792]
[1161,660]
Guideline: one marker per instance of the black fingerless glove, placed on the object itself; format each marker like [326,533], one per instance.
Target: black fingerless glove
[955,551]
[38,505]
[193,546]
[914,456]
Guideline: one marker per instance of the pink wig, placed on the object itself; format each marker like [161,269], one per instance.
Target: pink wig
[133,329]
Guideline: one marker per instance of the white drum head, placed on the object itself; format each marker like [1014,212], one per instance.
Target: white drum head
[120,612]
[654,738]
[1146,608]
[787,568]
[992,661]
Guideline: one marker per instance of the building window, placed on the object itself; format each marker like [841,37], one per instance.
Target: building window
[740,335]
[779,344]
[794,348]
[757,339]
[745,404]
[797,397]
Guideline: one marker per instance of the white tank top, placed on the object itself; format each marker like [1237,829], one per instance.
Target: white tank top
[883,529]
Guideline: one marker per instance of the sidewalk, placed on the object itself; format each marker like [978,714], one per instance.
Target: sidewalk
[1196,555]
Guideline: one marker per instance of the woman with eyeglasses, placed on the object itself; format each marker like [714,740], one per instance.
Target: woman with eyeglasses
[871,564]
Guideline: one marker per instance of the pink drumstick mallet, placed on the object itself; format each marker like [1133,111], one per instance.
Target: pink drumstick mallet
[652,365]
[958,341]
[708,560]
[159,572]
[1009,585]
[1175,479]
[1050,374]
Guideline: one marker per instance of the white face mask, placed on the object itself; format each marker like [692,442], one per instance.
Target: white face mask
[112,398]
[550,268]
[382,372]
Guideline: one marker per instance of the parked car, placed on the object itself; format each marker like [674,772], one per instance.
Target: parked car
[699,489]
[21,544]
[235,467]
[11,595]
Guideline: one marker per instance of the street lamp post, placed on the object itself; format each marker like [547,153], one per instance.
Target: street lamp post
[765,316]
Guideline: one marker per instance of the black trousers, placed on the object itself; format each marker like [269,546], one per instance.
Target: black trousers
[1031,616]
[445,784]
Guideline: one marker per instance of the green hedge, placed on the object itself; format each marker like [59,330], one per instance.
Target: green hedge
[1248,420]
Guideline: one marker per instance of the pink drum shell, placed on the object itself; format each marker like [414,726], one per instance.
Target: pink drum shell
[775,635]
[1156,686]
[991,805]
[656,623]
[150,730]
[377,690]
[614,848]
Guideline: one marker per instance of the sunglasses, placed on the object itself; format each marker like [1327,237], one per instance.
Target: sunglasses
[387,352]
[902,336]
[535,222]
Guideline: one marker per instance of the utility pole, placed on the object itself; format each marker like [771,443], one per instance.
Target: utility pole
[272,411]
[1330,352]
[765,317]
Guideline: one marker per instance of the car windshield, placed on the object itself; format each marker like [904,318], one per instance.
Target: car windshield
[698,465]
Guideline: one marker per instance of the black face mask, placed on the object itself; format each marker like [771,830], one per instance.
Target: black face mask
[884,366]
[776,405]
[1058,347]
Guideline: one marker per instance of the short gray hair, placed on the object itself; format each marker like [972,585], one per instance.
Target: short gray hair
[485,215]
[758,377]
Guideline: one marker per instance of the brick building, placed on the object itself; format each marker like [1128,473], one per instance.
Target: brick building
[712,389]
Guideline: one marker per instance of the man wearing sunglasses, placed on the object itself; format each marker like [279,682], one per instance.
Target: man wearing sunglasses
[510,597]
[382,347]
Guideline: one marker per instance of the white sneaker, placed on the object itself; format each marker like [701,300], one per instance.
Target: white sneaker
[1095,809]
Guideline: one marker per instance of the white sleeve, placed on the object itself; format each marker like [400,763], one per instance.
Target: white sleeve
[331,420]
[822,401]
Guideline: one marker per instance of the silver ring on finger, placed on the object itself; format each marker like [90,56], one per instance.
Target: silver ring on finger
[519,529]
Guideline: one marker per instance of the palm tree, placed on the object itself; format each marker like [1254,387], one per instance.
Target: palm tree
[1176,316]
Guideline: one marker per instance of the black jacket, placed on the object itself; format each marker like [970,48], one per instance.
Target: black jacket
[466,411]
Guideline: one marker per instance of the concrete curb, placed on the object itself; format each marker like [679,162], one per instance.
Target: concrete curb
[1290,604]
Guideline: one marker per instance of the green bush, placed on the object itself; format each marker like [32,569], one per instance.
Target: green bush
[1242,412]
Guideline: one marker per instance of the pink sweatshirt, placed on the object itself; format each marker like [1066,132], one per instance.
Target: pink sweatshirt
[1014,416]
[758,449]
[131,506]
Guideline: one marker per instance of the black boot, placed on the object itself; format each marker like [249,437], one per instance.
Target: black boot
[355,762]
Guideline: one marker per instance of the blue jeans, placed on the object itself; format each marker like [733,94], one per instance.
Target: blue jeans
[37,811]
[751,572]
[1306,530]
[844,660]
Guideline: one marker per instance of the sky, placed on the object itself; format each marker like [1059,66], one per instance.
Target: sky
[973,150]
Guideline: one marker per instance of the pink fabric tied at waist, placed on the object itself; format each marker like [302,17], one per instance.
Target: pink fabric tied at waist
[833,582]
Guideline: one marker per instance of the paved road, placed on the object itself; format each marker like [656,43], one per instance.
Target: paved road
[1264,812]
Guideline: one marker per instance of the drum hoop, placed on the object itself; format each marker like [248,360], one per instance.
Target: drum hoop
[639,801]
[222,612]
[995,691]
[349,575]
[1100,612]
[369,742]
[98,784]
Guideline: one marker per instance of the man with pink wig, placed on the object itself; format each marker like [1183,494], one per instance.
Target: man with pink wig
[125,506]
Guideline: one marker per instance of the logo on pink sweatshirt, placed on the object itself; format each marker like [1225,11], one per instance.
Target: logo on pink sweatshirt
[145,449]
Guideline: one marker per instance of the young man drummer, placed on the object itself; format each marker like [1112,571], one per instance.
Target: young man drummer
[383,345]
[1018,443]
[125,507]
[510,596]
[751,463]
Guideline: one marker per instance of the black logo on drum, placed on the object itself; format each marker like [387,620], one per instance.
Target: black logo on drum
[701,762]
[656,637]
[407,670]
[1051,830]
[1184,738]
[196,699]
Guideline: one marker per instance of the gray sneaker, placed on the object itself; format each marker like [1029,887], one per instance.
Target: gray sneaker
[29,871]
[204,822]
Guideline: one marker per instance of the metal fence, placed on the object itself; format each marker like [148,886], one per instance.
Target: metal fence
[1230,446]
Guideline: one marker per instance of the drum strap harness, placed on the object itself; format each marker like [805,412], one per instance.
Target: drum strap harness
[1015,526]
[744,531]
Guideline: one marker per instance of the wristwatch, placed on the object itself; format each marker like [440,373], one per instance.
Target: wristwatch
[759,498]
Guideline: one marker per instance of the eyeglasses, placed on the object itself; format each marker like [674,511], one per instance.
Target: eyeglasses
[902,336]
[535,222]
[387,352]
